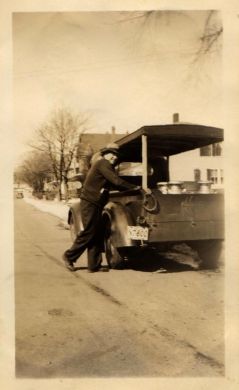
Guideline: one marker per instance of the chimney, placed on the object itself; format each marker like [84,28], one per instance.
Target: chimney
[176,117]
[113,131]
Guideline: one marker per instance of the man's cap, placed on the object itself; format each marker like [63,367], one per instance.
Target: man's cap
[110,148]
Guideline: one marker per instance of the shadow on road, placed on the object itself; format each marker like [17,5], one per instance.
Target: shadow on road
[165,262]
[103,267]
[158,263]
[80,268]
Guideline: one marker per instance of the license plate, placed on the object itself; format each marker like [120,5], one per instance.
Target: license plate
[138,233]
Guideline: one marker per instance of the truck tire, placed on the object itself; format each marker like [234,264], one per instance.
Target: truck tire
[114,259]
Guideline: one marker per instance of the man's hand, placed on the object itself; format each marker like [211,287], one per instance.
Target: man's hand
[137,188]
[146,191]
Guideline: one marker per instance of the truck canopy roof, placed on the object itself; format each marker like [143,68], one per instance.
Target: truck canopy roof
[169,139]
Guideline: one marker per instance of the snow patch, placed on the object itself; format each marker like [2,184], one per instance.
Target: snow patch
[57,208]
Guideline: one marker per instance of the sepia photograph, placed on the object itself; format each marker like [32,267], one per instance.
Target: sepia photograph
[119,194]
[119,229]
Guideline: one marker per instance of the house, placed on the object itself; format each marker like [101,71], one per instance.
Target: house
[205,163]
[89,143]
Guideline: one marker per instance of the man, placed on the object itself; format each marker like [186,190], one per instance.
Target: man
[94,195]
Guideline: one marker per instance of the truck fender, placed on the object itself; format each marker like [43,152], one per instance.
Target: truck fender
[117,217]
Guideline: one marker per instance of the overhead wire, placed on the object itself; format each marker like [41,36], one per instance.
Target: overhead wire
[149,58]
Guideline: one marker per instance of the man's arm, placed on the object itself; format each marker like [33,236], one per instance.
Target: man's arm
[108,172]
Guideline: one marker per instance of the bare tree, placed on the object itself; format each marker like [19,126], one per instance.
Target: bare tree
[208,42]
[210,39]
[34,170]
[58,138]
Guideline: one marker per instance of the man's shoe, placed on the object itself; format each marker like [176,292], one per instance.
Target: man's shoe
[101,269]
[68,263]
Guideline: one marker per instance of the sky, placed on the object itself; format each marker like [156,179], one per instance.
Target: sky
[113,67]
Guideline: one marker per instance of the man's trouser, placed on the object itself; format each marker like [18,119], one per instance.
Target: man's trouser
[90,238]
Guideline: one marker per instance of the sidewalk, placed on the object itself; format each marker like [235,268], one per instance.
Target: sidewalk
[57,208]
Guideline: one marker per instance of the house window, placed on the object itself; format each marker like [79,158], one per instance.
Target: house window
[222,176]
[197,174]
[212,175]
[206,150]
[216,149]
[211,150]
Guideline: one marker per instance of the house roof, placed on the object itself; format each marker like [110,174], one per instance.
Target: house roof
[96,141]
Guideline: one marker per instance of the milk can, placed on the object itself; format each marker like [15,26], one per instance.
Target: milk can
[162,187]
[204,186]
[175,187]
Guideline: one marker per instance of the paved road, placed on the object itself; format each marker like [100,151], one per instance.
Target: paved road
[134,322]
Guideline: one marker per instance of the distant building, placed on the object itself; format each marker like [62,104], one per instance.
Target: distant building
[97,141]
[89,143]
[205,163]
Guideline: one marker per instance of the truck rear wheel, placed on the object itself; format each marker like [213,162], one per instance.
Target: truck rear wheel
[114,258]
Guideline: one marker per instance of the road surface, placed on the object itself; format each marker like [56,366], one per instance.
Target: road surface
[125,323]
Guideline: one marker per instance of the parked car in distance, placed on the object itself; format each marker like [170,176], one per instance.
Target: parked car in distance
[175,213]
[19,194]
